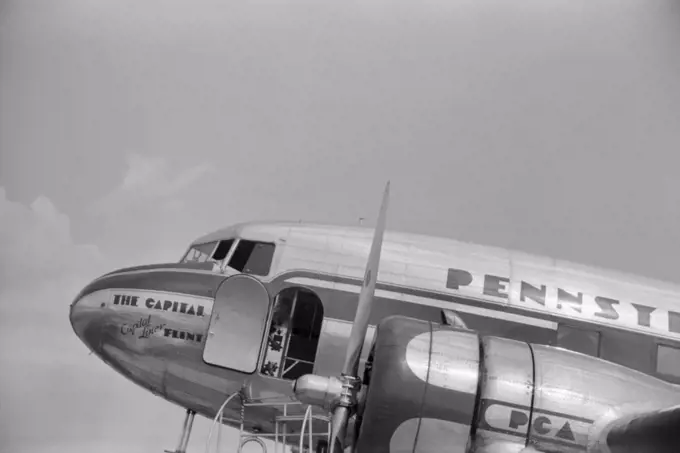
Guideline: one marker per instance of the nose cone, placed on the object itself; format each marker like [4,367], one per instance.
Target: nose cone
[86,320]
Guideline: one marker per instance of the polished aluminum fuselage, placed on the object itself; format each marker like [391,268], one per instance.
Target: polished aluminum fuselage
[151,323]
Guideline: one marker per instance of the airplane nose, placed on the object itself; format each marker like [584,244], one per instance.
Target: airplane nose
[86,317]
[74,318]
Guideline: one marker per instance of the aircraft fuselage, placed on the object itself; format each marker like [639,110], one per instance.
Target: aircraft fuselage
[155,324]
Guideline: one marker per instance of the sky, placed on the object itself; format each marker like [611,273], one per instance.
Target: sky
[129,128]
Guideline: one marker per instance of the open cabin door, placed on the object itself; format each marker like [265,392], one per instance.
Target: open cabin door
[237,324]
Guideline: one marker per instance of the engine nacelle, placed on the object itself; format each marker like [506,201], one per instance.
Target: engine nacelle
[434,388]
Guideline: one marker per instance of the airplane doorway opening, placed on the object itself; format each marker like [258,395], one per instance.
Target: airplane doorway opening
[294,334]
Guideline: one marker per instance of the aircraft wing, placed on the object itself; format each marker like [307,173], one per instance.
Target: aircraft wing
[655,431]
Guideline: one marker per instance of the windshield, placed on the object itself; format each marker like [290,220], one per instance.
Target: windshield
[199,253]
[249,257]
[215,252]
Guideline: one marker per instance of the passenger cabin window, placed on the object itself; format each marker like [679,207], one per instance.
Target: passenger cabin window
[668,360]
[578,340]
[252,257]
[629,349]
[293,334]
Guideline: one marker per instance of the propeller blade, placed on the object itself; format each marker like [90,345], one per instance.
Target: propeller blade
[360,326]
[338,429]
[357,336]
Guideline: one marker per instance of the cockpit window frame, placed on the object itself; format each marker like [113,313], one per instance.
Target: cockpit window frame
[234,247]
[217,242]
[224,264]
[232,241]
[196,245]
[227,258]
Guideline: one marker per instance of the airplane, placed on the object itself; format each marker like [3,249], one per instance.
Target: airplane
[434,345]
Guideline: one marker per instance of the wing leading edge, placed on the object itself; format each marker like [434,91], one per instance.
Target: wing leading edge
[655,431]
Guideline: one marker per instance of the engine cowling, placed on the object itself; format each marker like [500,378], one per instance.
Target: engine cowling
[434,388]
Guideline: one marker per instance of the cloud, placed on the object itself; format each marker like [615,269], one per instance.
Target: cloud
[144,217]
[54,395]
[36,243]
[150,179]
[41,270]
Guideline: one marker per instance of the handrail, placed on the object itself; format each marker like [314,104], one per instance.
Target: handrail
[249,439]
[220,414]
[308,416]
[308,419]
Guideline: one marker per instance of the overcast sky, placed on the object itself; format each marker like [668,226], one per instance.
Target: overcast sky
[128,128]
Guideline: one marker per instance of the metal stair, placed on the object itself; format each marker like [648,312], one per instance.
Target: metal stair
[301,440]
[283,435]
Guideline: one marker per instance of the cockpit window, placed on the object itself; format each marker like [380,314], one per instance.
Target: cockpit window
[199,253]
[214,251]
[252,257]
[222,250]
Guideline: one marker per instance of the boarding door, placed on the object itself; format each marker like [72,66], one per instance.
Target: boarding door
[237,324]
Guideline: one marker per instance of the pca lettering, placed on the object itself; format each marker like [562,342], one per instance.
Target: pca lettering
[540,427]
[175,306]
[505,419]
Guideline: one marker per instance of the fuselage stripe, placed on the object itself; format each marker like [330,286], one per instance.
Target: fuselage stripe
[480,311]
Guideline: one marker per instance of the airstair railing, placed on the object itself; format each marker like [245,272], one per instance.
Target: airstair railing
[308,416]
[220,416]
[280,435]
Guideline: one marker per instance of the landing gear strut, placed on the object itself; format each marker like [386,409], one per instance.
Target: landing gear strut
[186,432]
